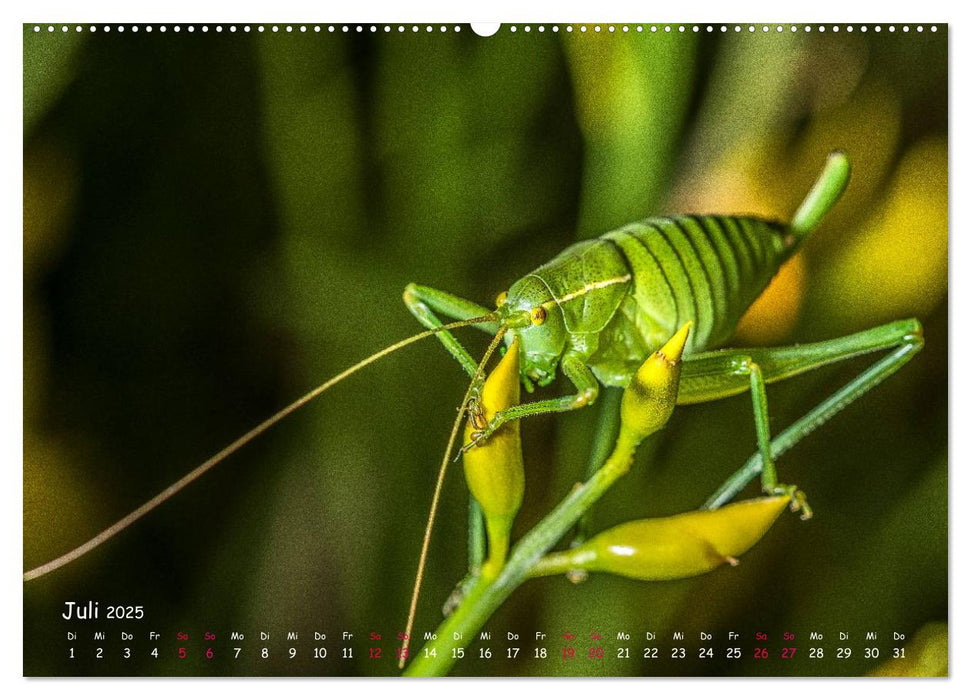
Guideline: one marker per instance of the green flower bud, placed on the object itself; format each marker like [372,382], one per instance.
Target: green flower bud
[649,399]
[494,468]
[658,549]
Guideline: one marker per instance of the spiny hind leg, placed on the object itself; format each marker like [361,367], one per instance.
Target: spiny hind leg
[714,375]
[575,369]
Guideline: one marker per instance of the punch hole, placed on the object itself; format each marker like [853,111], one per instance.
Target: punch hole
[485,28]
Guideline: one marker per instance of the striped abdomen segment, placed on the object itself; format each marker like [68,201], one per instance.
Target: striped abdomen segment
[706,269]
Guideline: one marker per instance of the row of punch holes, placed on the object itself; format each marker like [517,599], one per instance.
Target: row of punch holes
[414,28]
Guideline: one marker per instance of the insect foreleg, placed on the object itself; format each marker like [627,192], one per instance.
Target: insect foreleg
[423,302]
[713,375]
[575,369]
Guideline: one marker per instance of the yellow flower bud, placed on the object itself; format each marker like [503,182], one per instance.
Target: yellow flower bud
[649,399]
[494,468]
[658,549]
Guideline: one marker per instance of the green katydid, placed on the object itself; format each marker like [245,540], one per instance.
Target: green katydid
[601,307]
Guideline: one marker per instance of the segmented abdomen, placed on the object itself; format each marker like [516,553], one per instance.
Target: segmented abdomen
[707,269]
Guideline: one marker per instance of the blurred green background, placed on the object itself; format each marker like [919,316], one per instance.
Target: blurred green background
[216,222]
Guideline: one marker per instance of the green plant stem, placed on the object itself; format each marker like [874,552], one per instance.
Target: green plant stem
[561,563]
[608,425]
[477,541]
[488,594]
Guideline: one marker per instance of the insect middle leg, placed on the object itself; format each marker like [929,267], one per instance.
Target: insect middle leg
[575,369]
[424,302]
[714,375]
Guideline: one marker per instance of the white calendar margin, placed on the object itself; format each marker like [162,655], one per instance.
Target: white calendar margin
[437,11]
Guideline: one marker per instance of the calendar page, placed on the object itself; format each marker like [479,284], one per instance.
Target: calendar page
[526,350]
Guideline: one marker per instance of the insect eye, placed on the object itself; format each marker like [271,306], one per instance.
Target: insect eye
[501,299]
[538,315]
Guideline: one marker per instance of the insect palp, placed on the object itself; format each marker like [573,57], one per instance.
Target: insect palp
[476,414]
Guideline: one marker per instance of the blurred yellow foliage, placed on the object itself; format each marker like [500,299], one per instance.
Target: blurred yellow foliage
[773,315]
[925,655]
[896,264]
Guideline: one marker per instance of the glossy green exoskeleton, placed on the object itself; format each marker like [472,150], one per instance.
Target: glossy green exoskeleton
[601,307]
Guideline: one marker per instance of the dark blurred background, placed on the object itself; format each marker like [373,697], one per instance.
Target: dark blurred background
[214,222]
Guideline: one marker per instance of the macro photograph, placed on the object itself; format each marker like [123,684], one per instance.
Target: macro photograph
[614,350]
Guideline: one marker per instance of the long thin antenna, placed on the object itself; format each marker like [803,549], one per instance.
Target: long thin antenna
[433,510]
[165,495]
